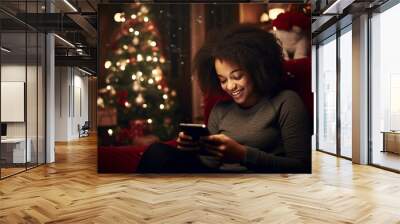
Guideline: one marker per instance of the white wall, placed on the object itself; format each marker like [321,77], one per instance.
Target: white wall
[80,84]
[33,126]
[71,93]
[61,103]
[16,72]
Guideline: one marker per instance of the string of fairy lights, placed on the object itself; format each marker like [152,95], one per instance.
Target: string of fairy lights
[134,59]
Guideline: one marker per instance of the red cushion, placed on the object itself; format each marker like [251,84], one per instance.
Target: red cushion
[298,78]
[121,159]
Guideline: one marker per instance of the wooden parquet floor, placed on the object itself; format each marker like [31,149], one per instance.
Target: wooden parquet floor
[71,191]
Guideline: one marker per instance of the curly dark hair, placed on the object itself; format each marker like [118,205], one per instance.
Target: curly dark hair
[254,50]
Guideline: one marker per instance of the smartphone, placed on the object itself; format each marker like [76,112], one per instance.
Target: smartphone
[194,130]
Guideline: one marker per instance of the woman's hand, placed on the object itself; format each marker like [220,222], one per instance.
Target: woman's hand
[225,148]
[186,143]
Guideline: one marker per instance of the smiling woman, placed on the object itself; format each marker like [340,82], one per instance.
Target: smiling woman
[236,82]
[263,129]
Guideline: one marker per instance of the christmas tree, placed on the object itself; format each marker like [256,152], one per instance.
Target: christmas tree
[136,80]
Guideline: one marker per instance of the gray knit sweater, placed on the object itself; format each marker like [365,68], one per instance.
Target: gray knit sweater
[276,132]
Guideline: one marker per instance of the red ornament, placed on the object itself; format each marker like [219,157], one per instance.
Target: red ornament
[163,83]
[122,97]
[131,22]
[132,60]
[137,128]
[123,137]
[125,32]
[167,121]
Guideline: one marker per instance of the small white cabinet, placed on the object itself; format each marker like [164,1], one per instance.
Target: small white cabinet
[15,148]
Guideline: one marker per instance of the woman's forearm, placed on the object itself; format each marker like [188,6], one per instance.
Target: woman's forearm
[260,161]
